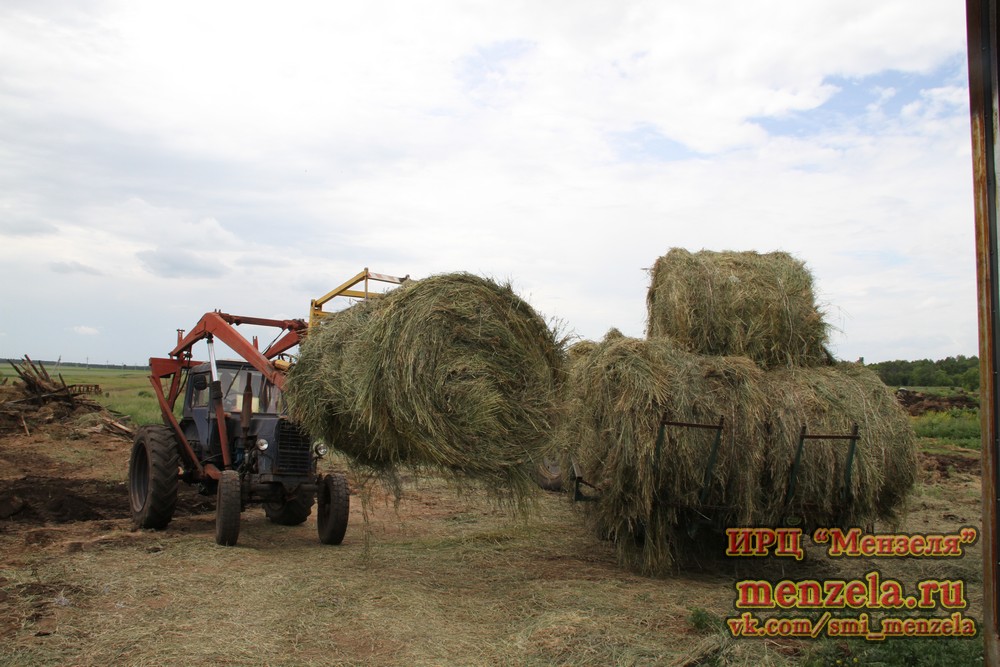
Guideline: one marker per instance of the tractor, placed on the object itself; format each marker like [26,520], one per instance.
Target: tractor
[232,436]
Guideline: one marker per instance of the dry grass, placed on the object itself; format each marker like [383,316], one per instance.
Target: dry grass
[453,372]
[447,580]
[654,493]
[651,491]
[443,580]
[830,400]
[738,303]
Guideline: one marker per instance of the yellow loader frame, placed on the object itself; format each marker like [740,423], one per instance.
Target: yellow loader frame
[316,312]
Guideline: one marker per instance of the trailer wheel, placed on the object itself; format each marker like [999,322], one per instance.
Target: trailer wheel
[228,505]
[548,474]
[152,477]
[290,512]
[333,506]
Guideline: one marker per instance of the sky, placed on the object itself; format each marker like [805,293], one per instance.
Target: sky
[162,160]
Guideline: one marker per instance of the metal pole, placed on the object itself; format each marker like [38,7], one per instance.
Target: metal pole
[981,23]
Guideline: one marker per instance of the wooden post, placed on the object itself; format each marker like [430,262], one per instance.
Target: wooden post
[981,23]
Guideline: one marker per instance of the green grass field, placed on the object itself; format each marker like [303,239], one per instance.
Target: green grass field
[959,426]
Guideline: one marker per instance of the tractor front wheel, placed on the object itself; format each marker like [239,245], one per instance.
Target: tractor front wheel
[152,477]
[333,507]
[228,506]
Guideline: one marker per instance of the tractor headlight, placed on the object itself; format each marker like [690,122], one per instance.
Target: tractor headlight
[320,450]
[262,444]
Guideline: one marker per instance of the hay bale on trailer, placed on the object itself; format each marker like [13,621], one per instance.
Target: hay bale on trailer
[738,303]
[831,400]
[648,492]
[454,372]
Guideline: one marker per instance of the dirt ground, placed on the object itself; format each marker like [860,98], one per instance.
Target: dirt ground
[442,578]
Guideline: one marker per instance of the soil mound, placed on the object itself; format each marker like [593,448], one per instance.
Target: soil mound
[917,403]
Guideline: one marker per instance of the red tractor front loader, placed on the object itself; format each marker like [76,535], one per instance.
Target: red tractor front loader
[233,437]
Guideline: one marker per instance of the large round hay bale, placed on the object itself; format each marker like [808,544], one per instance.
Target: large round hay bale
[749,304]
[651,492]
[830,401]
[454,371]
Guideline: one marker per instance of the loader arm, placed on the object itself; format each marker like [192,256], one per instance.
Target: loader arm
[223,327]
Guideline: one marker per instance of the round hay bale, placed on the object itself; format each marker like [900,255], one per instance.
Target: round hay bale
[830,401]
[580,350]
[650,493]
[761,306]
[454,371]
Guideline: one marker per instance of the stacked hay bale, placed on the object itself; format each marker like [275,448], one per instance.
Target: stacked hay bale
[749,304]
[736,335]
[454,372]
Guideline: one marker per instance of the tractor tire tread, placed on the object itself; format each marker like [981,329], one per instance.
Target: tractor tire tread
[333,508]
[153,506]
[229,504]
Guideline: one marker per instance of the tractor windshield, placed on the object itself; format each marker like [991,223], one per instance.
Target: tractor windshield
[265,397]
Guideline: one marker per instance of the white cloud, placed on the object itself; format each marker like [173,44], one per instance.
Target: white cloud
[85,330]
[159,161]
[74,267]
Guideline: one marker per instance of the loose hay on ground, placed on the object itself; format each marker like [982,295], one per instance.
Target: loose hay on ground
[738,303]
[454,372]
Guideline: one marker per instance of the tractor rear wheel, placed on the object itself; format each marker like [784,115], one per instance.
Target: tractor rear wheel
[291,511]
[228,505]
[548,474]
[152,477]
[333,507]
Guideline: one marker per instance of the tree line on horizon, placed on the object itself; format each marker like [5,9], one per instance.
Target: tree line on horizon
[960,371]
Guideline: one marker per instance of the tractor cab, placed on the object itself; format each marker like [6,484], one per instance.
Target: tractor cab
[262,441]
[232,436]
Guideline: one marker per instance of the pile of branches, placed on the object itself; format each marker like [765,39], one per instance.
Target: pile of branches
[39,397]
[38,385]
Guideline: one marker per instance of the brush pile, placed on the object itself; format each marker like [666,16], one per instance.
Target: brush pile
[38,398]
[454,372]
[735,336]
